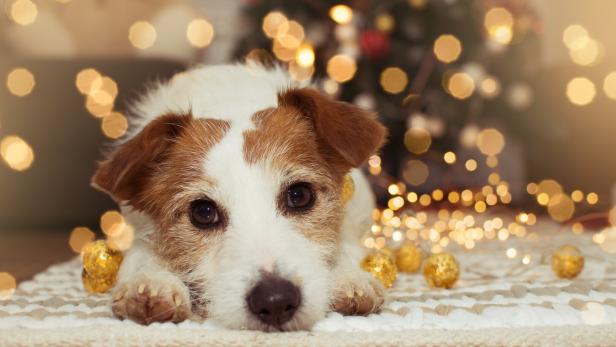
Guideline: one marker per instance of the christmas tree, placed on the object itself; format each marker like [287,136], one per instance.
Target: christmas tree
[437,72]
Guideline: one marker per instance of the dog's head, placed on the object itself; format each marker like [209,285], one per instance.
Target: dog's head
[248,212]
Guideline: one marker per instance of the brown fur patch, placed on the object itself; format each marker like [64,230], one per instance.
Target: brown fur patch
[153,172]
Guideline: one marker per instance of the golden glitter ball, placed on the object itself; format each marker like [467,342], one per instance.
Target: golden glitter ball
[409,258]
[100,261]
[348,189]
[567,262]
[382,266]
[441,270]
[97,285]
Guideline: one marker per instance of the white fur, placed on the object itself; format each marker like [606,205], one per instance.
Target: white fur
[257,237]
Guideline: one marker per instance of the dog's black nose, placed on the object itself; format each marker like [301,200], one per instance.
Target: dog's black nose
[274,300]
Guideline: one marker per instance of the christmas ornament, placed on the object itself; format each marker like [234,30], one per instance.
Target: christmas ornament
[382,267]
[100,266]
[567,262]
[409,258]
[441,270]
[97,285]
[375,44]
[348,189]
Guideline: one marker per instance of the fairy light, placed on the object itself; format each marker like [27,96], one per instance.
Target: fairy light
[577,195]
[592,198]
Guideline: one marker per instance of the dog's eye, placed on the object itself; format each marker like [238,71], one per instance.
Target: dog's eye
[300,196]
[204,214]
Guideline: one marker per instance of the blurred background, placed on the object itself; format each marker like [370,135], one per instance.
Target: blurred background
[492,105]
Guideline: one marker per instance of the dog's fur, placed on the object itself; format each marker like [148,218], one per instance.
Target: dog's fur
[238,135]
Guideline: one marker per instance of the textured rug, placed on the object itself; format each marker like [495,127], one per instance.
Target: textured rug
[499,300]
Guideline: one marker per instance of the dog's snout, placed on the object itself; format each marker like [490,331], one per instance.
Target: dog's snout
[274,300]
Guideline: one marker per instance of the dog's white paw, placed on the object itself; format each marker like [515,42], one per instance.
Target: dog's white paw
[152,299]
[358,295]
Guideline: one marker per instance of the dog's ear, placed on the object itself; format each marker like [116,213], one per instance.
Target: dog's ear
[352,133]
[128,168]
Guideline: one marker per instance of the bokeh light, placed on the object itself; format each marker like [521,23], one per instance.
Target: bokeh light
[416,172]
[200,33]
[16,153]
[20,82]
[23,12]
[385,22]
[273,23]
[609,85]
[589,54]
[561,208]
[593,313]
[341,68]
[393,80]
[449,157]
[88,80]
[305,56]
[341,14]
[490,87]
[142,35]
[575,36]
[471,165]
[80,237]
[447,48]
[417,140]
[581,91]
[460,85]
[8,284]
[114,125]
[499,22]
[490,142]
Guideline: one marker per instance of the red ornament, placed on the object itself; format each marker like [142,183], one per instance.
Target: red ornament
[374,44]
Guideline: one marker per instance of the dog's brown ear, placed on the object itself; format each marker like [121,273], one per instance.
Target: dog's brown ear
[353,134]
[127,169]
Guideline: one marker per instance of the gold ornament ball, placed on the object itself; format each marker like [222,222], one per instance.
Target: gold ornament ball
[348,189]
[567,262]
[409,258]
[101,262]
[441,270]
[382,267]
[97,285]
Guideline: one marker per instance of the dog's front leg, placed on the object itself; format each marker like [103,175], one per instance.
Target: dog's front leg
[355,292]
[147,292]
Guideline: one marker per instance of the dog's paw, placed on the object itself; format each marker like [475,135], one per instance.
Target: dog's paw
[360,295]
[146,300]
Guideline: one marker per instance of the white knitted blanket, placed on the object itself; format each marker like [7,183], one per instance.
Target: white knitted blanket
[498,300]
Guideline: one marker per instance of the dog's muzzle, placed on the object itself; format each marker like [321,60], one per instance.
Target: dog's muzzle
[274,300]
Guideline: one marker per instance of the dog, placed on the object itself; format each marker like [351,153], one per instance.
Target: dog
[232,176]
